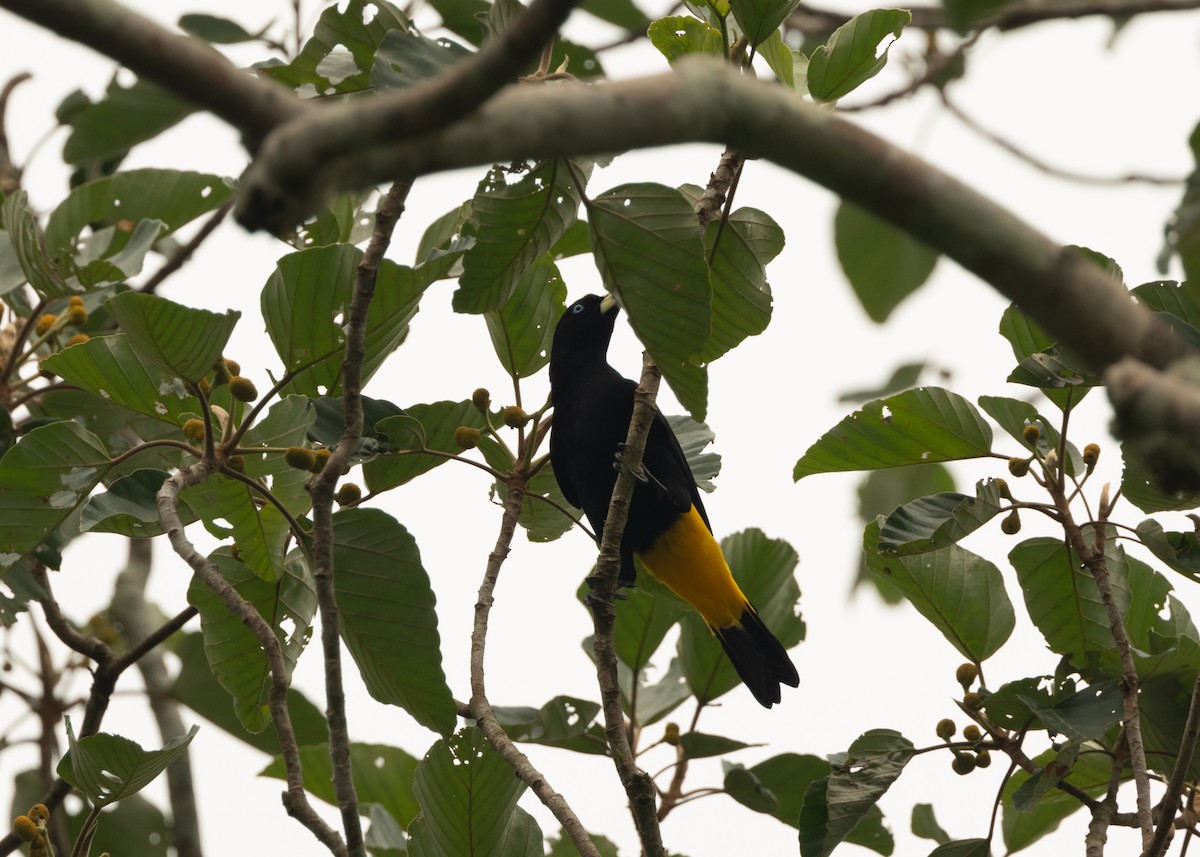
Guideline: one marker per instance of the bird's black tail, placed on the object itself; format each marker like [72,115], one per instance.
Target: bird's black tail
[761,661]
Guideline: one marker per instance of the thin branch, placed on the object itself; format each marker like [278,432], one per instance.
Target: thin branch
[297,149]
[10,173]
[186,66]
[480,709]
[184,252]
[322,511]
[638,785]
[1187,746]
[1049,169]
[936,66]
[295,799]
[720,188]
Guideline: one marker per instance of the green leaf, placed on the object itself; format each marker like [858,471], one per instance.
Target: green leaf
[177,339]
[431,426]
[383,776]
[11,275]
[621,13]
[463,17]
[406,57]
[513,224]
[174,197]
[643,618]
[835,804]
[1036,703]
[852,56]
[110,367]
[1180,300]
[693,437]
[1053,369]
[678,36]
[775,786]
[764,570]
[467,795]
[285,424]
[196,687]
[229,510]
[647,246]
[562,846]
[1062,597]
[340,55]
[1090,773]
[965,15]
[233,651]
[123,118]
[305,303]
[522,329]
[934,522]
[883,263]
[697,745]
[385,837]
[343,220]
[1014,415]
[739,250]
[46,475]
[961,593]
[1027,339]
[108,768]
[1145,492]
[129,507]
[1179,551]
[921,425]
[925,825]
[28,246]
[388,617]
[761,18]
[903,377]
[565,722]
[783,61]
[214,29]
[963,848]
[1164,638]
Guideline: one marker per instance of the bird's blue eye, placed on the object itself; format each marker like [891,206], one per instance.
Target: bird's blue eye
[577,309]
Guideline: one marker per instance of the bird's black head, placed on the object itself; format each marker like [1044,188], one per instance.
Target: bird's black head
[581,338]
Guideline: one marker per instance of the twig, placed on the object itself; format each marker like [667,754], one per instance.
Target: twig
[295,798]
[936,65]
[720,186]
[480,709]
[10,173]
[1105,814]
[322,498]
[638,785]
[1187,745]
[185,251]
[1049,169]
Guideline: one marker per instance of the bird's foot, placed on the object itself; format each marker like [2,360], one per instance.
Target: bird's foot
[641,474]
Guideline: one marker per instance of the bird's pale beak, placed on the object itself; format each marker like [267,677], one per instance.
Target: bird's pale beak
[608,303]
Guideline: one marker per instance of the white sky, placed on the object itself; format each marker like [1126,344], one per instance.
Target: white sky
[1056,90]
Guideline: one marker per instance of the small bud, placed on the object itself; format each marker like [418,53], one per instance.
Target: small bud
[971,732]
[300,457]
[25,828]
[232,366]
[348,494]
[193,430]
[481,399]
[466,437]
[78,339]
[242,389]
[1018,466]
[945,729]
[77,315]
[1050,464]
[320,456]
[966,675]
[514,416]
[73,301]
[972,701]
[1031,433]
[671,734]
[983,759]
[236,463]
[44,324]
[1011,525]
[39,812]
[204,387]
[235,552]
[1002,487]
[1091,454]
[963,764]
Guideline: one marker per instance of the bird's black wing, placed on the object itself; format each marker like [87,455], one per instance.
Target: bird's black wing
[665,461]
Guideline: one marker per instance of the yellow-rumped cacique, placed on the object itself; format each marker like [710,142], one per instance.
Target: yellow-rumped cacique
[668,528]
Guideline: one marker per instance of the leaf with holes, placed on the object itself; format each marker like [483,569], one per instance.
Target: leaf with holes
[852,56]
[108,768]
[679,36]
[565,722]
[175,338]
[406,57]
[388,618]
[234,653]
[961,593]
[229,509]
[648,248]
[46,475]
[513,224]
[921,425]
[305,303]
[522,329]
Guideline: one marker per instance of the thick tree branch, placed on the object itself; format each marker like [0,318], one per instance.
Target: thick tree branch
[638,784]
[480,709]
[322,511]
[186,66]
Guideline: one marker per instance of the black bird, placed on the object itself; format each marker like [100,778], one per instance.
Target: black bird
[668,529]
